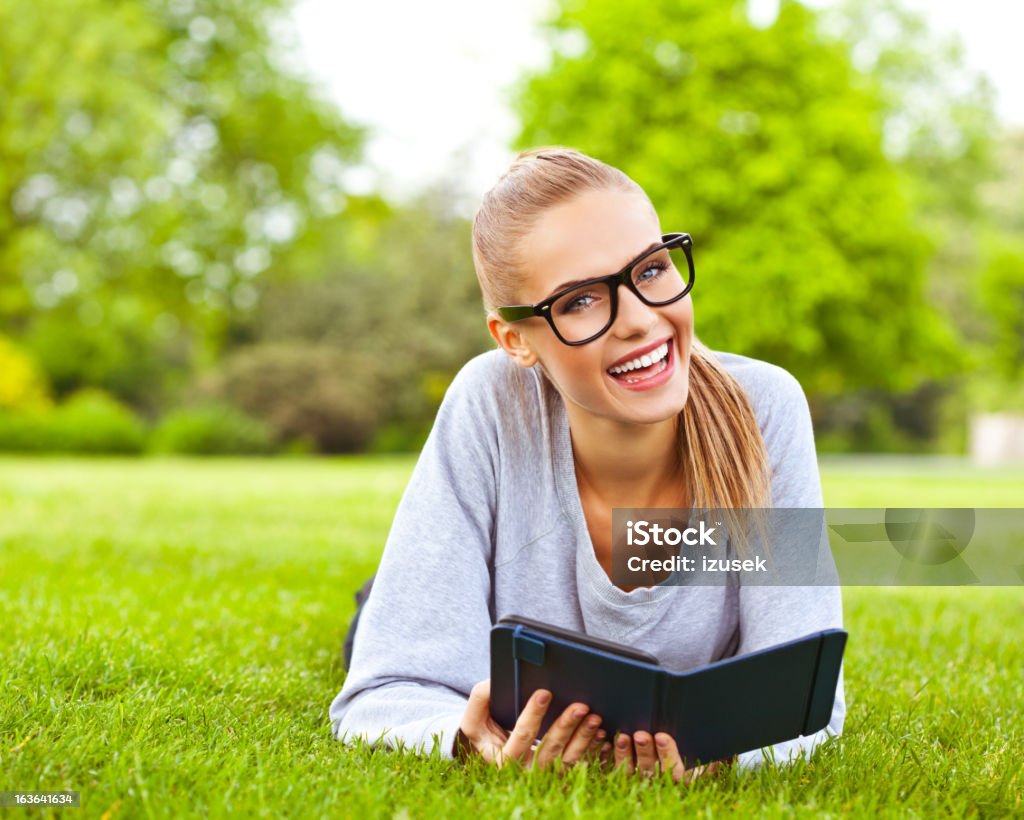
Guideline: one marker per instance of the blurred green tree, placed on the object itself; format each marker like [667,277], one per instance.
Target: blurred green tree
[156,158]
[766,144]
[967,189]
[939,129]
[1003,196]
[1000,288]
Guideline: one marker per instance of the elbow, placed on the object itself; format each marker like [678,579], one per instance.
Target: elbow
[341,714]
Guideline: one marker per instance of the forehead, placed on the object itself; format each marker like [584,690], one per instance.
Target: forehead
[594,234]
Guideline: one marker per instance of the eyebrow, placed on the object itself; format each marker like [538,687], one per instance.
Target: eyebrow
[572,282]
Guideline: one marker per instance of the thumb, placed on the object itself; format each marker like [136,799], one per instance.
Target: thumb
[478,710]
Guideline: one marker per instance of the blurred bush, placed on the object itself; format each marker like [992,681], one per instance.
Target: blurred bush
[119,356]
[399,302]
[877,421]
[90,422]
[22,386]
[212,430]
[316,393]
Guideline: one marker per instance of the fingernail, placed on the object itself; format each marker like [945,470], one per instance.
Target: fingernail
[594,720]
[641,741]
[601,734]
[579,712]
[622,742]
[662,740]
[544,698]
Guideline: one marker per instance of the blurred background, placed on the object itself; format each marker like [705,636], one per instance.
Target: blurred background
[243,226]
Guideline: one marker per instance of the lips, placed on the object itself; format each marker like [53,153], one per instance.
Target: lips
[638,353]
[647,377]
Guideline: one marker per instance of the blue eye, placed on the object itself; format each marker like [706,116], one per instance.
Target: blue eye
[655,269]
[578,302]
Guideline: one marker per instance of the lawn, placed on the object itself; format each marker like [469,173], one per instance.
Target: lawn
[172,634]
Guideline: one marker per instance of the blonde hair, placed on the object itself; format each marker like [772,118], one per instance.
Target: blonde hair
[722,451]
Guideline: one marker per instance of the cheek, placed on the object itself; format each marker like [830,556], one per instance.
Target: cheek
[578,370]
[686,314]
[572,371]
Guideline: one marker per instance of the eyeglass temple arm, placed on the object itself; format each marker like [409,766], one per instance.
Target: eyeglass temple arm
[513,313]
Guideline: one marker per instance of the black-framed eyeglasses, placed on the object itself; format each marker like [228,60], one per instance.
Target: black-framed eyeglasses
[580,313]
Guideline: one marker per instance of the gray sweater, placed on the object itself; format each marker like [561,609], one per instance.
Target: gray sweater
[494,495]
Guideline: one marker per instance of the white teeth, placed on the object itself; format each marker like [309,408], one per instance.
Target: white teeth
[646,360]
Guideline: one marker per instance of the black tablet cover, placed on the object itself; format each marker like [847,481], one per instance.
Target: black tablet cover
[713,712]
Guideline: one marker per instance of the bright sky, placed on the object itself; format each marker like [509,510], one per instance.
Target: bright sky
[432,79]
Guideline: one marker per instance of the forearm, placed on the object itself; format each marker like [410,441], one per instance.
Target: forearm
[401,715]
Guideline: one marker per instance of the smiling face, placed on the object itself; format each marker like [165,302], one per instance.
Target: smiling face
[595,234]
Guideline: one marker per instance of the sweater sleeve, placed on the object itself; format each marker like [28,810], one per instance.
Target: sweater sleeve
[773,614]
[423,635]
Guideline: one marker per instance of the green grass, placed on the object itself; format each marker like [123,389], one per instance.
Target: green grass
[172,632]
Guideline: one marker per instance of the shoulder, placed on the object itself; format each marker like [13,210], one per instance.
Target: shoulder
[494,390]
[490,377]
[485,370]
[774,393]
[783,415]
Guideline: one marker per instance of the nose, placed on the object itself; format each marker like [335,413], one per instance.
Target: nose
[633,318]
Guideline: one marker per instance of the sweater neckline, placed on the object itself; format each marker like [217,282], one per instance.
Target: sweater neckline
[564,469]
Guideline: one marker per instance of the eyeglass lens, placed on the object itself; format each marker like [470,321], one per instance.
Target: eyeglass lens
[584,311]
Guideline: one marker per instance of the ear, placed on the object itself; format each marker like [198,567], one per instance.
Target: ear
[511,340]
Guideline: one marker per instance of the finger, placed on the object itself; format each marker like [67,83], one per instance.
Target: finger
[669,757]
[478,710]
[559,734]
[519,745]
[593,752]
[646,757]
[594,749]
[477,717]
[720,767]
[708,769]
[606,756]
[623,753]
[582,739]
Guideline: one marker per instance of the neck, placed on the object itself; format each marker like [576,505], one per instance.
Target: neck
[627,465]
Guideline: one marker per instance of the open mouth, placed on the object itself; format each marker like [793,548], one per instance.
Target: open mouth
[643,367]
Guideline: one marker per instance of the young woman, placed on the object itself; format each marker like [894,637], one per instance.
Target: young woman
[599,396]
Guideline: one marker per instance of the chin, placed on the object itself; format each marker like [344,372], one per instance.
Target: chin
[661,412]
[666,414]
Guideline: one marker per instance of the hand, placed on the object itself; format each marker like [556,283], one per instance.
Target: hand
[575,735]
[658,753]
